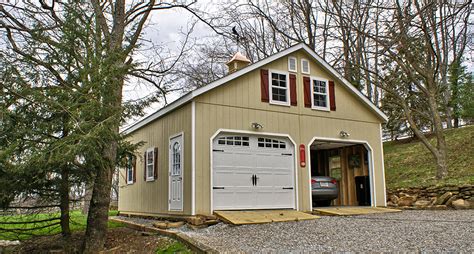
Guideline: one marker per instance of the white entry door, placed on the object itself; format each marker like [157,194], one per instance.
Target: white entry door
[252,172]
[176,173]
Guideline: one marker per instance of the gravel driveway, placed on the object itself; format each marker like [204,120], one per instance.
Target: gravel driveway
[412,231]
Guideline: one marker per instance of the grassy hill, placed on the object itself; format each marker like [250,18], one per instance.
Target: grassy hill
[410,164]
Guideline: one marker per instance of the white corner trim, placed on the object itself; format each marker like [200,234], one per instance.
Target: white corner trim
[353,141]
[193,158]
[313,78]
[296,64]
[219,131]
[383,168]
[189,96]
[270,88]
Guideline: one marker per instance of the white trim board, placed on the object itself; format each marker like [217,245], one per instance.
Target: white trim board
[193,158]
[191,95]
[373,193]
[383,169]
[219,131]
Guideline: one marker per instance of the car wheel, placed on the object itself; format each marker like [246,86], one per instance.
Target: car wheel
[326,203]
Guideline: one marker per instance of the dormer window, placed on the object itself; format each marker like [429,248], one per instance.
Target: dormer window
[305,66]
[279,92]
[292,65]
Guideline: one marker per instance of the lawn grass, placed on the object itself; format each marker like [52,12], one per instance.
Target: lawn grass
[78,223]
[412,165]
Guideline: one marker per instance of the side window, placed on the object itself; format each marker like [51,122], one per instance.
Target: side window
[271,143]
[234,141]
[292,64]
[279,91]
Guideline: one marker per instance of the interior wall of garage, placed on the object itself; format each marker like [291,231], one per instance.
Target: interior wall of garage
[237,104]
[347,190]
[151,198]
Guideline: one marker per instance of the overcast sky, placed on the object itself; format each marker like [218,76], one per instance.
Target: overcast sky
[167,28]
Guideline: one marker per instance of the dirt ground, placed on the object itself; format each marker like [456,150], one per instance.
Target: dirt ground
[119,240]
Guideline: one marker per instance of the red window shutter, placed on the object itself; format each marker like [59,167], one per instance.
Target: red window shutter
[264,85]
[155,172]
[293,90]
[307,92]
[144,166]
[134,168]
[332,96]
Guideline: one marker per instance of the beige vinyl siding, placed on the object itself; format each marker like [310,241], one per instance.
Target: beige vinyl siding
[237,104]
[245,92]
[152,197]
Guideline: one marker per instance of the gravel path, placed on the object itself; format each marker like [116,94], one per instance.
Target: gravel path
[408,231]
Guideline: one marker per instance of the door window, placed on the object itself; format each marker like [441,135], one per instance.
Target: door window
[176,162]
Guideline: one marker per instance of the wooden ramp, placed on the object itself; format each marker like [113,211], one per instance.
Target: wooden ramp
[263,216]
[352,210]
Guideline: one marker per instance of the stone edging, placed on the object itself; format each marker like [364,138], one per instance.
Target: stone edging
[190,242]
[432,197]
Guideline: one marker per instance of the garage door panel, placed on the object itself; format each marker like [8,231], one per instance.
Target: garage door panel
[232,158]
[235,166]
[276,159]
[233,199]
[229,178]
[271,198]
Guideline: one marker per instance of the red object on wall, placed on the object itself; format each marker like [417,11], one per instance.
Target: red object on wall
[293,90]
[264,85]
[307,92]
[302,156]
[332,96]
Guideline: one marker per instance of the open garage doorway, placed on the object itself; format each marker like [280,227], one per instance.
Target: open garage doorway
[340,173]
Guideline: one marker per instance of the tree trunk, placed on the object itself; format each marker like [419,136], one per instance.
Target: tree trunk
[441,147]
[64,204]
[97,217]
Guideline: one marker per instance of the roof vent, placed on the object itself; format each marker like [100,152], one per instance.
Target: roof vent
[237,62]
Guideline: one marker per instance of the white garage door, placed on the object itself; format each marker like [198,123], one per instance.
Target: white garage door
[252,172]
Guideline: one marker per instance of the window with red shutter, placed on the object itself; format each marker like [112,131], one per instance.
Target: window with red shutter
[318,93]
[279,89]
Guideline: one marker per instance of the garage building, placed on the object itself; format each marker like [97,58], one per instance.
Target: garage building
[253,139]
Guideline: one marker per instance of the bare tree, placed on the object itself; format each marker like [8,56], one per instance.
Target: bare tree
[101,39]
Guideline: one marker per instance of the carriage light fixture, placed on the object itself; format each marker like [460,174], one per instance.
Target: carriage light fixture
[257,126]
[344,134]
